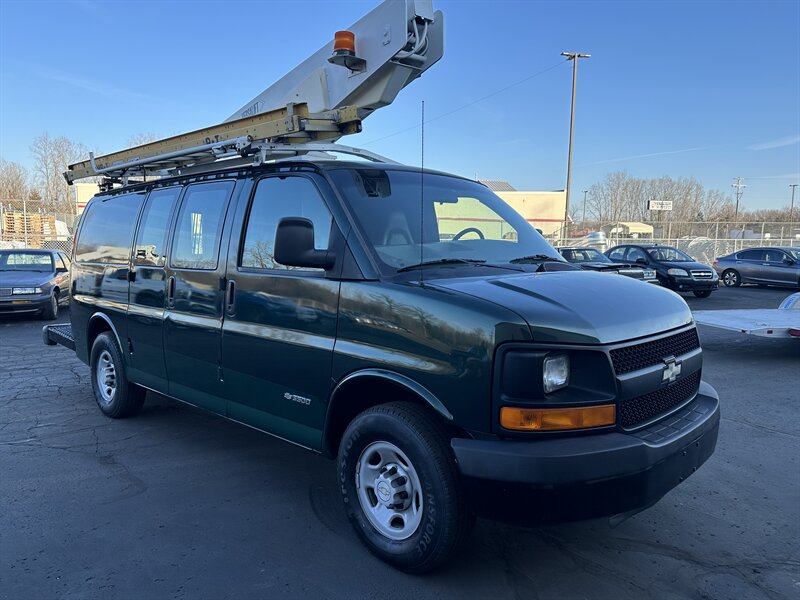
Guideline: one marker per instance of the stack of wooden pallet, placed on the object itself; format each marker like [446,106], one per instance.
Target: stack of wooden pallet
[33,226]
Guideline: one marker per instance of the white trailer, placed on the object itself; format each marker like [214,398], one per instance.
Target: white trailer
[781,322]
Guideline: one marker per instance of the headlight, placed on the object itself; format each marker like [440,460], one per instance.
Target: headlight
[555,372]
[29,290]
[678,272]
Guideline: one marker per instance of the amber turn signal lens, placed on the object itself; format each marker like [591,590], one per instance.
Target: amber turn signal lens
[344,41]
[555,419]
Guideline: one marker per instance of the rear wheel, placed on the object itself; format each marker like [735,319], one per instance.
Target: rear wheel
[401,487]
[115,395]
[731,278]
[703,293]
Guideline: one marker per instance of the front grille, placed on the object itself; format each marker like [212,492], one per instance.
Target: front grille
[650,406]
[640,356]
[702,274]
[5,291]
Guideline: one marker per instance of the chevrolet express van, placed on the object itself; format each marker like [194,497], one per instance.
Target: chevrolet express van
[409,325]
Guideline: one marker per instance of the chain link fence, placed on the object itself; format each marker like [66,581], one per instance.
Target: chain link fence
[29,224]
[705,241]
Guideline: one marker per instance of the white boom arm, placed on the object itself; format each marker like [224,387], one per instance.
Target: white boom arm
[322,99]
[394,44]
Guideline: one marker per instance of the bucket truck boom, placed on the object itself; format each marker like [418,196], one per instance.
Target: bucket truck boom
[322,99]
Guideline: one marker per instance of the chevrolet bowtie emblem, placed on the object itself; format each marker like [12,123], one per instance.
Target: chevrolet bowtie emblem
[671,370]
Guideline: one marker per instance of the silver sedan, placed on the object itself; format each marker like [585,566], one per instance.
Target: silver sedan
[773,265]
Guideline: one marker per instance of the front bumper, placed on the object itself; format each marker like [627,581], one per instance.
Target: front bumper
[689,284]
[22,304]
[581,477]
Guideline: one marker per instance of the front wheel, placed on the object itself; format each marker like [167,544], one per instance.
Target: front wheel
[50,311]
[731,278]
[115,395]
[401,487]
[703,293]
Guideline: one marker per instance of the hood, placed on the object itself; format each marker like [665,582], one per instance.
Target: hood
[23,278]
[581,307]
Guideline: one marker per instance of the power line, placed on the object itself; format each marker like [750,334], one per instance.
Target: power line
[455,110]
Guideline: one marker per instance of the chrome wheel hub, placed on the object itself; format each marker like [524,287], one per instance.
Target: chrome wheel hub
[106,375]
[389,490]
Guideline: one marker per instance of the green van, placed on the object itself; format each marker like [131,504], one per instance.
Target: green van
[448,360]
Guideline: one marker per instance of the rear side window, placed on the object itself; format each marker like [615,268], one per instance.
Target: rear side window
[199,227]
[276,198]
[107,230]
[152,239]
[751,255]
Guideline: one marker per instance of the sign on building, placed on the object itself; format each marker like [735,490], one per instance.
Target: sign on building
[660,205]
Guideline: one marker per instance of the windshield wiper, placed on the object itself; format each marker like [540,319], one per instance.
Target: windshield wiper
[442,261]
[533,257]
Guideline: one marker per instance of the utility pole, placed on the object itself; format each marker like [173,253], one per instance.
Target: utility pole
[584,207]
[573,56]
[791,206]
[739,191]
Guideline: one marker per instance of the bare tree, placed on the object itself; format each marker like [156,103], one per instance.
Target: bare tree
[142,138]
[14,181]
[620,197]
[52,156]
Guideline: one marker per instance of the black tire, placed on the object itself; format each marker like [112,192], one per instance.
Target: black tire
[50,312]
[124,398]
[703,293]
[731,278]
[443,520]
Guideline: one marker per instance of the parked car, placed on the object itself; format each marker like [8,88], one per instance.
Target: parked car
[315,300]
[674,268]
[33,281]
[591,259]
[768,265]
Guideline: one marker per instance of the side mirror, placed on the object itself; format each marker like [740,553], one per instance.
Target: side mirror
[789,261]
[62,270]
[294,245]
[641,261]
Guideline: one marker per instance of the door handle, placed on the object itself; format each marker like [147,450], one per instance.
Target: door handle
[230,295]
[171,290]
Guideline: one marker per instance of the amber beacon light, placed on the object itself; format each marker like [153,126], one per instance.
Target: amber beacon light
[344,52]
[344,42]
[555,419]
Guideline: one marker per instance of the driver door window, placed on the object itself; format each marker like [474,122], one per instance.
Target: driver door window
[275,199]
[635,254]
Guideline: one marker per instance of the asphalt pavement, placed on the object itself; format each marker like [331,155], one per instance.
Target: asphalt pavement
[176,503]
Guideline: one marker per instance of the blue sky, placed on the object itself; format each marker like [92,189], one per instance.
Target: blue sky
[697,88]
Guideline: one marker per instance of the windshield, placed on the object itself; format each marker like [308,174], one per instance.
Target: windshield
[450,220]
[669,254]
[38,262]
[584,255]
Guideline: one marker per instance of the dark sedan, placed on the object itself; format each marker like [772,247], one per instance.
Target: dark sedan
[674,268]
[33,281]
[771,265]
[591,259]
